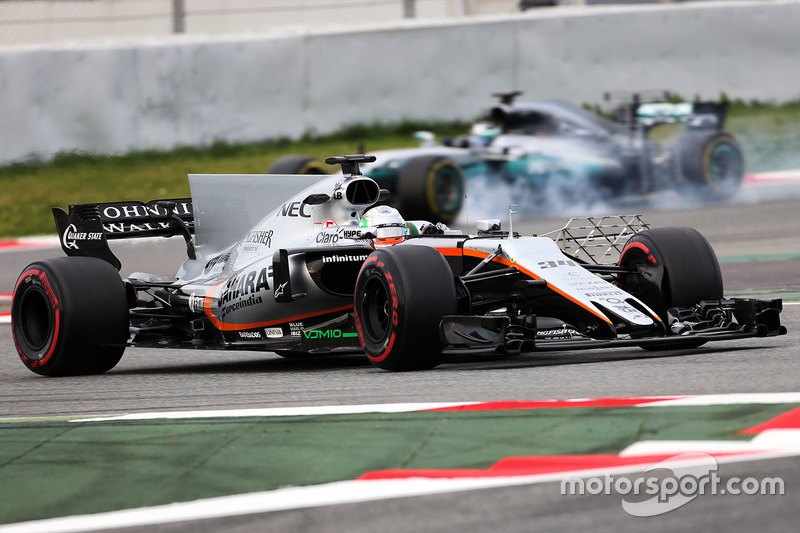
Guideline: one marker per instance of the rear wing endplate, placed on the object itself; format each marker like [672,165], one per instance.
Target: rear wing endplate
[86,229]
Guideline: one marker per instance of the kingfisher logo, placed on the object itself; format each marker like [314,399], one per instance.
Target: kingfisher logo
[560,333]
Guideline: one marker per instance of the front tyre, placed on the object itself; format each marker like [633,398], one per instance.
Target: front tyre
[401,295]
[677,268]
[69,316]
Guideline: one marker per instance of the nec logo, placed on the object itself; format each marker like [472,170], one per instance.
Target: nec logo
[294,209]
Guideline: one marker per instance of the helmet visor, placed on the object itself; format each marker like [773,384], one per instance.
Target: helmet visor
[390,231]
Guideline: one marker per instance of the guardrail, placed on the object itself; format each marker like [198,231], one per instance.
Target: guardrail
[39,21]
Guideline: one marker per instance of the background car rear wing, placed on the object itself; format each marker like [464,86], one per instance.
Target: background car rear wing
[652,108]
[85,230]
[699,115]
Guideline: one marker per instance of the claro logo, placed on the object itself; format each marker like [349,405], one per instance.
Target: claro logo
[327,238]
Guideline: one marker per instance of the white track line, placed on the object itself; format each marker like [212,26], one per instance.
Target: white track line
[785,440]
[729,399]
[315,410]
[282,411]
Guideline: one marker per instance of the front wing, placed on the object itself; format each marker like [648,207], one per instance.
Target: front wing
[710,320]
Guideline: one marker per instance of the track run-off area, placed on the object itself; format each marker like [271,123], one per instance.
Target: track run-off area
[175,440]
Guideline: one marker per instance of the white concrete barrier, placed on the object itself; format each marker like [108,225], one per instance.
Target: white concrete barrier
[191,91]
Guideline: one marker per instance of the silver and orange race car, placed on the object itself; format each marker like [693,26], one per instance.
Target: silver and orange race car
[308,265]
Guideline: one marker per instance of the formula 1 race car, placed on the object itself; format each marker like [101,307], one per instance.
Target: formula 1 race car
[552,146]
[300,265]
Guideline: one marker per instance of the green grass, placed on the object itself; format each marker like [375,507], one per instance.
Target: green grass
[28,191]
[769,136]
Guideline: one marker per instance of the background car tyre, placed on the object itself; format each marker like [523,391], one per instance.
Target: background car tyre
[69,316]
[297,164]
[401,295]
[430,187]
[711,165]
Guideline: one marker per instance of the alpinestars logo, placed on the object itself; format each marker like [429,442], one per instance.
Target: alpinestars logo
[279,290]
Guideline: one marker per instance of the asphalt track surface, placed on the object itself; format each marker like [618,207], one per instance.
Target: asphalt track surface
[148,380]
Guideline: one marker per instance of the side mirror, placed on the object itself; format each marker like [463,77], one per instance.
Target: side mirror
[316,199]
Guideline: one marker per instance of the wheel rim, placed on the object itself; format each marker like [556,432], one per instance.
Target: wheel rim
[633,259]
[725,166]
[636,258]
[35,322]
[376,305]
[447,189]
[312,169]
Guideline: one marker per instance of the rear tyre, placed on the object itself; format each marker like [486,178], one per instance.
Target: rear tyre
[711,164]
[401,295]
[296,164]
[430,187]
[69,316]
[677,268]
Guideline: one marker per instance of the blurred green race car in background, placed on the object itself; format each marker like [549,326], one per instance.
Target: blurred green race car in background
[548,146]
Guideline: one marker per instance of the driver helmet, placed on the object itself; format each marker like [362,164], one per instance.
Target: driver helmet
[386,224]
[483,133]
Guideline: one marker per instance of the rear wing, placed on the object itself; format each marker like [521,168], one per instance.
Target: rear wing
[652,108]
[86,229]
[705,115]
